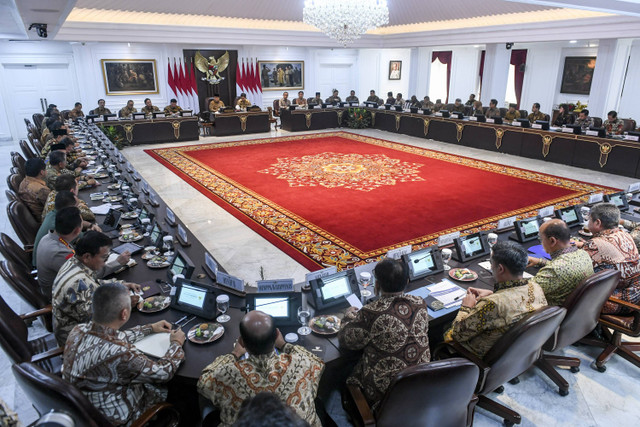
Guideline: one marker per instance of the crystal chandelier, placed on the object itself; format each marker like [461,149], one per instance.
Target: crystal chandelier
[345,20]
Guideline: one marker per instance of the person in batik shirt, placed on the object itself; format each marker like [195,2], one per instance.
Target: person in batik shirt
[613,248]
[568,267]
[293,374]
[103,363]
[485,316]
[392,332]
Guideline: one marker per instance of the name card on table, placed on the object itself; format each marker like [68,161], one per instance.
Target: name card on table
[210,263]
[536,126]
[567,130]
[111,118]
[317,107]
[632,137]
[506,222]
[592,133]
[182,233]
[280,285]
[514,123]
[473,118]
[397,253]
[448,239]
[595,198]
[230,281]
[186,113]
[633,187]
[439,114]
[490,120]
[320,273]
[98,119]
[544,212]
[171,216]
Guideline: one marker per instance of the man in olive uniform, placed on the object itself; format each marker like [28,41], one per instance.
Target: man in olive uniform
[535,113]
[76,112]
[470,101]
[284,103]
[215,105]
[458,106]
[512,114]
[427,104]
[317,100]
[127,110]
[374,98]
[149,108]
[101,110]
[173,108]
[493,110]
[243,103]
[390,99]
[334,99]
[352,97]
[58,166]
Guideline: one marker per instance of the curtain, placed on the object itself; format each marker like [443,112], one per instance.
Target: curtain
[519,60]
[481,71]
[445,58]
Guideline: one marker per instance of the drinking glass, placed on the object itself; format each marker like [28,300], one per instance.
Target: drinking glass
[167,246]
[222,302]
[365,280]
[584,211]
[492,239]
[303,317]
[629,197]
[446,257]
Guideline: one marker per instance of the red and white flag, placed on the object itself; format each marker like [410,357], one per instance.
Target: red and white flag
[239,89]
[258,100]
[194,90]
[171,89]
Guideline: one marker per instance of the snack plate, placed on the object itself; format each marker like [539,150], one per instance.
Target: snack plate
[101,175]
[452,274]
[325,331]
[158,303]
[158,262]
[112,199]
[212,332]
[585,233]
[134,237]
[130,215]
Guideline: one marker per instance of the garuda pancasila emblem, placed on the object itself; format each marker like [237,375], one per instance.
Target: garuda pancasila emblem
[212,68]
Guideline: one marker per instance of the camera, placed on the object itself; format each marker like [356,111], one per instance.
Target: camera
[509,46]
[41,29]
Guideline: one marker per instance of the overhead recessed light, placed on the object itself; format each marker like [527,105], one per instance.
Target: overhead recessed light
[128,44]
[573,41]
[476,45]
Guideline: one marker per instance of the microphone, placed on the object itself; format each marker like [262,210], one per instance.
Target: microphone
[417,260]
[163,281]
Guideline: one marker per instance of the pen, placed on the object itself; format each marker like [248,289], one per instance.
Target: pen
[180,320]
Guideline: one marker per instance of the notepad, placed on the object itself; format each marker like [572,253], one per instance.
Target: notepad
[447,292]
[539,250]
[155,345]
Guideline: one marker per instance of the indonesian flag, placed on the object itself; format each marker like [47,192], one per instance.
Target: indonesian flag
[177,83]
[258,100]
[170,81]
[238,79]
[194,90]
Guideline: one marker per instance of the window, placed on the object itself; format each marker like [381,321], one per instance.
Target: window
[510,96]
[438,81]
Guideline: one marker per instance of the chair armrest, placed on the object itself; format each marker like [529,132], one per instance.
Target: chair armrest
[28,248]
[47,355]
[46,310]
[361,404]
[624,303]
[150,413]
[484,368]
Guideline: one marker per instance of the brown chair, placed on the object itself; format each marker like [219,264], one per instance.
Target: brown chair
[12,196]
[511,355]
[23,222]
[628,125]
[503,111]
[597,122]
[38,119]
[437,393]
[13,182]
[16,171]
[524,114]
[27,288]
[28,153]
[272,119]
[43,351]
[276,107]
[15,253]
[583,307]
[48,392]
[19,162]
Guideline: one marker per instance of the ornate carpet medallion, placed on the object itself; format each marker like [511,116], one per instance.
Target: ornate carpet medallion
[362,172]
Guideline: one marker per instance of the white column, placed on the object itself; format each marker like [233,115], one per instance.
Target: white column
[608,76]
[424,71]
[464,73]
[496,73]
[629,106]
[540,84]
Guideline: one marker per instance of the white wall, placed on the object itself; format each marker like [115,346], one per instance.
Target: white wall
[629,105]
[561,98]
[464,73]
[540,77]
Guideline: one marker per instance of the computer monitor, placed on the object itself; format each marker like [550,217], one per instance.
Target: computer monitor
[618,199]
[524,123]
[423,262]
[181,264]
[282,306]
[158,114]
[195,298]
[527,229]
[480,118]
[597,131]
[444,113]
[570,215]
[156,235]
[471,247]
[544,124]
[331,292]
[457,114]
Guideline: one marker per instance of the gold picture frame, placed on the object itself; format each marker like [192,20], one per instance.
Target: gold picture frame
[130,76]
[287,81]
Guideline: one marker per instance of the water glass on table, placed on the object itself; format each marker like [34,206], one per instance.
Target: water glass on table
[304,314]
[446,257]
[222,303]
[365,280]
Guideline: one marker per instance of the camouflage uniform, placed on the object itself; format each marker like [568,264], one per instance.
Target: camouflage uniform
[215,106]
[75,113]
[169,110]
[509,116]
[536,116]
[85,212]
[101,111]
[33,192]
[126,111]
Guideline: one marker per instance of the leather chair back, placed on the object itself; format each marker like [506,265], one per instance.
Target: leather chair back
[18,161]
[503,111]
[38,119]
[15,170]
[12,196]
[524,114]
[13,182]
[448,107]
[14,252]
[520,346]
[47,391]
[276,107]
[28,154]
[628,125]
[207,101]
[597,122]
[583,306]
[436,393]
[23,283]
[13,335]
[23,222]
[484,110]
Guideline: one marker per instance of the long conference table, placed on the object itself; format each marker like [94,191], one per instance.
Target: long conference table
[610,155]
[153,131]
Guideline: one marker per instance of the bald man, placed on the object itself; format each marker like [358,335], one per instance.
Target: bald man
[289,371]
[568,267]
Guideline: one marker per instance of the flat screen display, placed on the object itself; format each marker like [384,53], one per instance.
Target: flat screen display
[616,199]
[193,296]
[472,245]
[529,228]
[421,262]
[569,216]
[143,214]
[274,307]
[179,265]
[155,234]
[335,287]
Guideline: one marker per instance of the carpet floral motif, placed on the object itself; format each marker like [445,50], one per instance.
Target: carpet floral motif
[363,172]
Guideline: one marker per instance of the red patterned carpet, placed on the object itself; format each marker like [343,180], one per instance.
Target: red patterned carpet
[341,199]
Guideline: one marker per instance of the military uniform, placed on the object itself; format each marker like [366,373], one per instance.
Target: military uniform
[492,112]
[427,105]
[33,192]
[374,98]
[215,106]
[458,108]
[101,111]
[53,174]
[243,103]
[585,124]
[509,116]
[536,116]
[172,110]
[438,106]
[126,111]
[352,99]
[333,100]
[85,212]
[75,113]
[148,110]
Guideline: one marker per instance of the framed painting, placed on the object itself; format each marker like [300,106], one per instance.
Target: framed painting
[281,75]
[129,76]
[395,70]
[577,74]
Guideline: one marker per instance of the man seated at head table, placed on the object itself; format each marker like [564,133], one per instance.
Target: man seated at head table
[511,114]
[399,100]
[568,267]
[76,112]
[426,104]
[216,104]
[243,103]
[284,103]
[103,363]
[611,248]
[584,120]
[300,101]
[101,110]
[374,98]
[477,109]
[127,110]
[149,108]
[493,111]
[414,103]
[485,315]
[318,99]
[438,105]
[392,332]
[173,109]
[293,374]
[334,99]
[536,114]
[613,125]
[352,97]
[458,106]
[77,280]
[33,190]
[470,101]
[390,98]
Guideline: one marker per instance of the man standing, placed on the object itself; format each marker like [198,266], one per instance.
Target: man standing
[485,315]
[293,374]
[33,190]
[535,113]
[127,110]
[173,109]
[264,74]
[568,267]
[103,363]
[76,282]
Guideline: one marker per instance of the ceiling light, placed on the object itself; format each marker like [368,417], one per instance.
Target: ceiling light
[573,41]
[345,20]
